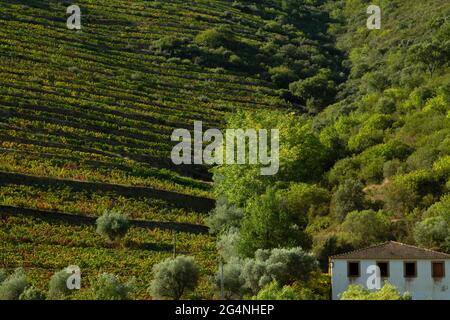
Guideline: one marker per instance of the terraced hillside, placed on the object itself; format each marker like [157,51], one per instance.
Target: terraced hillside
[86,119]
[85,124]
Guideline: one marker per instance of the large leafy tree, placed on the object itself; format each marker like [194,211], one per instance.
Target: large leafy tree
[433,233]
[268,223]
[109,287]
[348,197]
[302,156]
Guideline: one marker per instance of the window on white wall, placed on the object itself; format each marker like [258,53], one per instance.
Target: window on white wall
[384,269]
[410,269]
[353,270]
[437,269]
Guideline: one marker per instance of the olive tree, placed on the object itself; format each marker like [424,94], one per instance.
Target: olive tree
[112,225]
[3,275]
[173,277]
[14,285]
[109,287]
[224,216]
[283,265]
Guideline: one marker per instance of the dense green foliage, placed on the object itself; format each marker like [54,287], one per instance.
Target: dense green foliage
[14,285]
[269,224]
[112,225]
[31,293]
[109,287]
[387,292]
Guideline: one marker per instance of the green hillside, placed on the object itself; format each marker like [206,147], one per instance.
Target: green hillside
[371,166]
[86,119]
[99,106]
[392,123]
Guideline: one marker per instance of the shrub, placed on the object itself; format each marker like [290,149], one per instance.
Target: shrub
[442,167]
[366,138]
[422,158]
[343,170]
[112,225]
[391,168]
[334,142]
[13,286]
[212,38]
[235,59]
[274,291]
[58,285]
[432,54]
[388,292]
[109,287]
[319,88]
[441,208]
[371,133]
[385,105]
[348,197]
[437,105]
[169,45]
[306,201]
[31,293]
[282,76]
[296,291]
[173,277]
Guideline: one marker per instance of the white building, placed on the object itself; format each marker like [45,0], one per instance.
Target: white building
[425,274]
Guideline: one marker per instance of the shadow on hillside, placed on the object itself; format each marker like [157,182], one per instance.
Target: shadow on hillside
[33,3]
[148,246]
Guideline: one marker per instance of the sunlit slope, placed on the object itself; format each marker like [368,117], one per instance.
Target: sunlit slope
[85,124]
[99,104]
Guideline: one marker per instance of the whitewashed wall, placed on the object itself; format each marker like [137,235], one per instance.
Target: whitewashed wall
[423,287]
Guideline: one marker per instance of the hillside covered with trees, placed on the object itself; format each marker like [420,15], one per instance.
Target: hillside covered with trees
[373,165]
[86,119]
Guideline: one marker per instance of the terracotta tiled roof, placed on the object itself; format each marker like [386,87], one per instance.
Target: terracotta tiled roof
[393,250]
